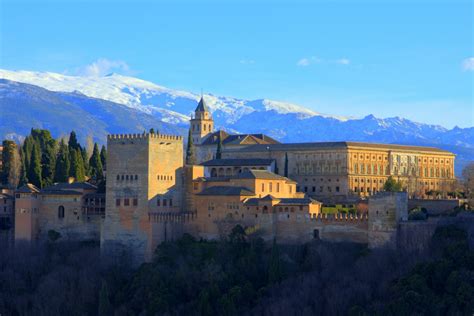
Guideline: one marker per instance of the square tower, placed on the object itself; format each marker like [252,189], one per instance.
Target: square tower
[143,170]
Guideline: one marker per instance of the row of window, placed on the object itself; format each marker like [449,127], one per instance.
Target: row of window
[320,190]
[321,180]
[270,187]
[315,169]
[204,126]
[126,177]
[164,177]
[126,202]
[164,202]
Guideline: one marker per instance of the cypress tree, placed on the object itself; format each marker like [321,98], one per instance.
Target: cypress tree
[85,161]
[219,148]
[34,173]
[23,170]
[103,156]
[95,164]
[190,159]
[286,164]
[152,130]
[62,167]
[275,273]
[7,159]
[73,143]
[77,165]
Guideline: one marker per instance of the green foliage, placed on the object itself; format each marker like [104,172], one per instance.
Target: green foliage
[231,275]
[103,156]
[441,287]
[95,164]
[62,168]
[53,235]
[34,172]
[392,185]
[7,160]
[190,158]
[77,165]
[73,143]
[417,215]
[286,165]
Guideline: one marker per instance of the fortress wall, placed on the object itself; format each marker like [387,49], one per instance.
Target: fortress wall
[74,226]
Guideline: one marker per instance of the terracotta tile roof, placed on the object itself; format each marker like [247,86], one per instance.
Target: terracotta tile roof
[223,190]
[238,162]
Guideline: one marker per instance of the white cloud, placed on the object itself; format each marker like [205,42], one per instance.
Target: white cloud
[468,64]
[247,61]
[104,66]
[307,61]
[343,61]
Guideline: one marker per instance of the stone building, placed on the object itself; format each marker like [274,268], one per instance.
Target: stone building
[144,178]
[64,208]
[332,170]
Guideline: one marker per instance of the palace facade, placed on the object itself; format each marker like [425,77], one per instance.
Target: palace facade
[273,190]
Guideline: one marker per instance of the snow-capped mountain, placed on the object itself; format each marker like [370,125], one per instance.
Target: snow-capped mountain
[96,99]
[169,105]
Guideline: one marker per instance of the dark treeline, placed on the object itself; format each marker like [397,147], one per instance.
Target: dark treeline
[43,160]
[242,275]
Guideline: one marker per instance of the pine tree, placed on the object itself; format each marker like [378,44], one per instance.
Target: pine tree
[77,165]
[103,156]
[286,165]
[219,149]
[105,307]
[34,173]
[95,164]
[62,164]
[190,159]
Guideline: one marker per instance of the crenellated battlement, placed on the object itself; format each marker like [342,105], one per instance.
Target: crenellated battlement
[143,136]
[174,217]
[340,217]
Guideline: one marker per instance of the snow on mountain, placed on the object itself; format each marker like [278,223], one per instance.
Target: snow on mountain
[170,105]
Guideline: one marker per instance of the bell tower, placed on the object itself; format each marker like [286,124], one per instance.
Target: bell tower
[202,124]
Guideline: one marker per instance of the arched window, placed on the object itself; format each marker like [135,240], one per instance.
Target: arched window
[209,127]
[213,172]
[204,127]
[61,211]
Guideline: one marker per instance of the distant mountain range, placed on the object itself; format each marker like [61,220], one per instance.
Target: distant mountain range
[120,104]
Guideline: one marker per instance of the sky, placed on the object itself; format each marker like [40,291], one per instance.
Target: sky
[413,59]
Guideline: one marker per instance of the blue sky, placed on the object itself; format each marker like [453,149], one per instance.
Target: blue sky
[413,59]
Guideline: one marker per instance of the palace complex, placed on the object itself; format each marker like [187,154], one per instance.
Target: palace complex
[272,189]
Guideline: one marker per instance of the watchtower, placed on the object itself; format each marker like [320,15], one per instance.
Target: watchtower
[202,124]
[143,171]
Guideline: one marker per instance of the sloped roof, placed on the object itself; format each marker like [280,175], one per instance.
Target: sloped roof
[28,188]
[261,174]
[202,106]
[60,192]
[332,145]
[223,190]
[238,139]
[238,162]
[297,201]
[71,186]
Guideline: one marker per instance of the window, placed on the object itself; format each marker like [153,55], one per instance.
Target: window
[61,211]
[117,202]
[158,202]
[313,189]
[118,177]
[270,187]
[337,189]
[263,187]
[136,177]
[171,202]
[165,202]
[278,187]
[126,202]
[135,202]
